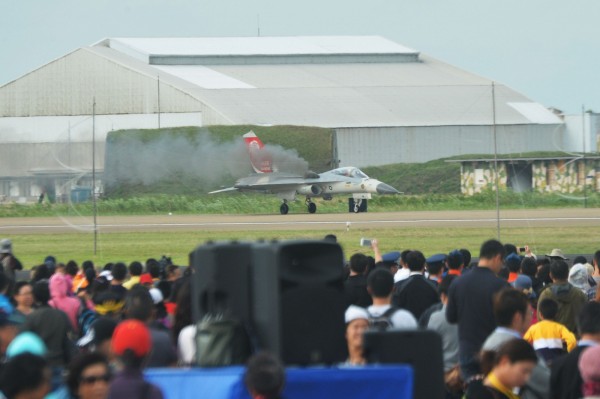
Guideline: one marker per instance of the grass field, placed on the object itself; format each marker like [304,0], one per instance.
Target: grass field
[31,249]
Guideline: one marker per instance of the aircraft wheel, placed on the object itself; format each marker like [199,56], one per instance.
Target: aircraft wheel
[312,207]
[284,209]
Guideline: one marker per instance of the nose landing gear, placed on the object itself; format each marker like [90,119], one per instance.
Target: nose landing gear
[312,207]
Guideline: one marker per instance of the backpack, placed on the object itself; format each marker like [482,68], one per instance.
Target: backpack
[85,318]
[221,341]
[382,322]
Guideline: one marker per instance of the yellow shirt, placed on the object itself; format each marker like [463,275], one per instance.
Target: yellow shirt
[131,282]
[548,334]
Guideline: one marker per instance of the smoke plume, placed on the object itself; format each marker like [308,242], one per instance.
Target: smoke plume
[131,160]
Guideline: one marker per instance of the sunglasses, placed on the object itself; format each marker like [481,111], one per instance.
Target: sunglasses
[92,379]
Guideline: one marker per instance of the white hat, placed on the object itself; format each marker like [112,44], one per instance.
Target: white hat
[556,253]
[106,274]
[5,246]
[157,296]
[356,312]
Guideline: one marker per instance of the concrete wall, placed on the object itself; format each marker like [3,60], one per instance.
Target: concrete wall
[386,145]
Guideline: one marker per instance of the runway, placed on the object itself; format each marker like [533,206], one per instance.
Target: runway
[442,219]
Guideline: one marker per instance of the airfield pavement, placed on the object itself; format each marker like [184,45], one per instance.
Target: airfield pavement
[304,221]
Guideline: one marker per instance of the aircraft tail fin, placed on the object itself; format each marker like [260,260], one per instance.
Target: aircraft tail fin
[261,161]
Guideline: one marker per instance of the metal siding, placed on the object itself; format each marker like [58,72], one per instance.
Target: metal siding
[68,86]
[64,143]
[380,146]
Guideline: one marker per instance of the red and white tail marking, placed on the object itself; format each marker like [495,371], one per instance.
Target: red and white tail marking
[261,161]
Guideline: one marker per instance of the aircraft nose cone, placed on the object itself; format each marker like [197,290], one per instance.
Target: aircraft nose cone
[383,188]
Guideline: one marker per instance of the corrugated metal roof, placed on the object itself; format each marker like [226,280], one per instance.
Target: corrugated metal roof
[427,92]
[424,93]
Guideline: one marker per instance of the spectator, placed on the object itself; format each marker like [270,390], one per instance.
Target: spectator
[265,377]
[549,337]
[71,270]
[140,306]
[511,368]
[390,261]
[80,280]
[135,271]
[98,337]
[88,377]
[466,257]
[25,376]
[513,317]
[9,328]
[8,261]
[153,268]
[355,286]
[5,303]
[570,299]
[529,269]
[565,380]
[455,262]
[596,264]
[52,326]
[589,368]
[449,333]
[523,283]
[132,343]
[380,284]
[513,264]
[435,268]
[69,305]
[579,278]
[23,298]
[357,322]
[119,273]
[470,305]
[183,308]
[415,293]
[403,271]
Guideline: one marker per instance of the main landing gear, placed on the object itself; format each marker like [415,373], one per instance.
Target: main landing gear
[312,207]
[284,208]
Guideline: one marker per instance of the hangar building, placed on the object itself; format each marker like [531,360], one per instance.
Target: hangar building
[386,103]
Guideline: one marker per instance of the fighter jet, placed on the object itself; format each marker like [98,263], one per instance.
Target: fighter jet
[267,180]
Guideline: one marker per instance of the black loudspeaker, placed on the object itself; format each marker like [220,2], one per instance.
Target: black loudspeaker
[422,349]
[298,301]
[221,280]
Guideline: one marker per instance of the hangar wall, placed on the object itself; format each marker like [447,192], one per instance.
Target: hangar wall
[376,146]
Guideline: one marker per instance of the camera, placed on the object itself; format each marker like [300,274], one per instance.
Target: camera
[365,242]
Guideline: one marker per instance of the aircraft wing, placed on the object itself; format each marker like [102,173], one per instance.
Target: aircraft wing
[228,189]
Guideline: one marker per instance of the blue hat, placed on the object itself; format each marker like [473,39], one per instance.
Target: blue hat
[391,257]
[437,258]
[523,283]
[513,260]
[26,342]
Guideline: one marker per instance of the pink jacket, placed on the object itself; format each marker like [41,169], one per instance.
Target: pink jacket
[60,300]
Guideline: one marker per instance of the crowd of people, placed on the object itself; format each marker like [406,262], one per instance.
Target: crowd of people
[512,324]
[71,331]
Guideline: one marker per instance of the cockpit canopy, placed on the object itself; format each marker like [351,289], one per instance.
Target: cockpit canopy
[350,171]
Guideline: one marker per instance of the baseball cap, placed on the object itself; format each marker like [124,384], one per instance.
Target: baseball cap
[391,257]
[355,312]
[26,342]
[5,246]
[134,335]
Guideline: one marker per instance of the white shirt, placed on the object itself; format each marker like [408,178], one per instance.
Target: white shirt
[186,344]
[401,274]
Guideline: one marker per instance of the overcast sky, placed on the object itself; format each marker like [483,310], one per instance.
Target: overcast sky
[545,49]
